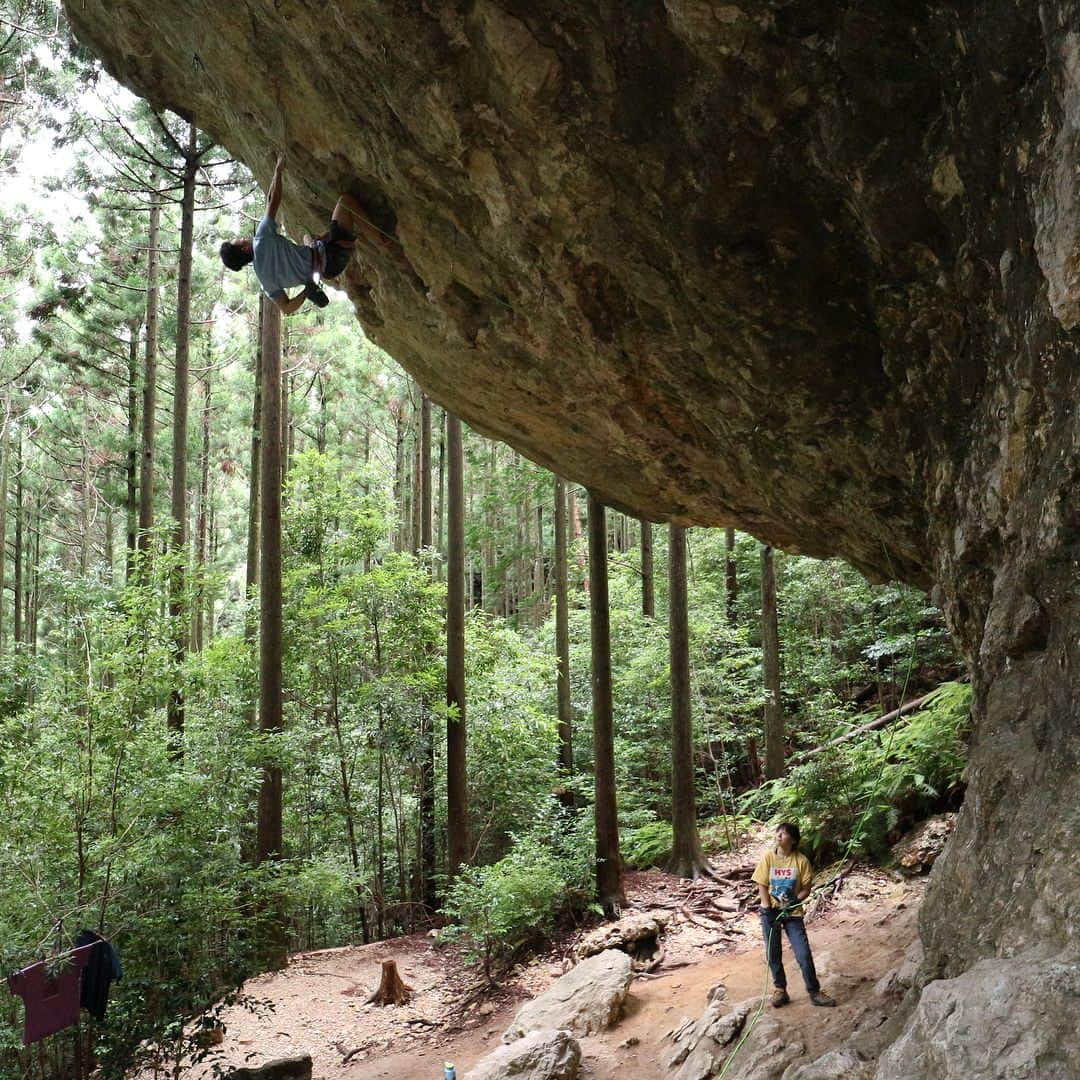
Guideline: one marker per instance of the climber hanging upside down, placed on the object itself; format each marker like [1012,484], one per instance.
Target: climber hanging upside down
[280,264]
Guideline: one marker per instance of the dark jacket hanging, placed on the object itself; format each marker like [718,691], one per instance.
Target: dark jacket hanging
[102,968]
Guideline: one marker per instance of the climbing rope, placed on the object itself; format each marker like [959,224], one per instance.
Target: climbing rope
[847,854]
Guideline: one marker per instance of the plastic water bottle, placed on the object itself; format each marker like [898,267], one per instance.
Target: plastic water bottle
[449,1072]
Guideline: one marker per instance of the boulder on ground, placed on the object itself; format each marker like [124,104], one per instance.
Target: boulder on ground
[637,935]
[540,1055]
[842,1064]
[588,998]
[900,980]
[290,1068]
[701,1045]
[1000,1020]
[766,1054]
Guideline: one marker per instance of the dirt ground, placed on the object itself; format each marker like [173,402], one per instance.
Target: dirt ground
[859,930]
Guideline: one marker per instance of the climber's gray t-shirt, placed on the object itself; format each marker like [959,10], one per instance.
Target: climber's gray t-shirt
[279,263]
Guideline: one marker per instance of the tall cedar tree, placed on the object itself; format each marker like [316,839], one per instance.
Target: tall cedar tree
[192,156]
[457,810]
[271,721]
[770,660]
[687,859]
[648,591]
[562,632]
[731,578]
[149,396]
[427,764]
[609,888]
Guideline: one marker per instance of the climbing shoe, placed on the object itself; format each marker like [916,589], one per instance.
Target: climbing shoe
[779,997]
[819,997]
[315,294]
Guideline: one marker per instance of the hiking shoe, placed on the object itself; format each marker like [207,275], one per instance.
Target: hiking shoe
[315,294]
[780,997]
[819,997]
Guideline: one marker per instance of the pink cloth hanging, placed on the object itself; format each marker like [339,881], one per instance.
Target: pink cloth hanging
[52,1003]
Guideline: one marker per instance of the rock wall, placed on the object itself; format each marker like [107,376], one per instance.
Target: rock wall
[806,267]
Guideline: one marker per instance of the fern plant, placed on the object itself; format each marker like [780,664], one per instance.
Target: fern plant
[856,796]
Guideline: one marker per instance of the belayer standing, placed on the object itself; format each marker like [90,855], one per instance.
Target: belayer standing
[280,264]
[783,876]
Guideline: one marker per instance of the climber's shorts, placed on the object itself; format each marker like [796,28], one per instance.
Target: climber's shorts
[330,254]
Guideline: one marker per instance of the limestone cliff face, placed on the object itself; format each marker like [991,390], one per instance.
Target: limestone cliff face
[807,267]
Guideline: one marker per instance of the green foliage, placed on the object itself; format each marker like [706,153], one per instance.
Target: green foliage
[648,845]
[853,798]
[501,907]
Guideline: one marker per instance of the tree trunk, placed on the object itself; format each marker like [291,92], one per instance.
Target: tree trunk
[252,577]
[562,632]
[457,813]
[392,991]
[5,468]
[489,595]
[770,659]
[648,590]
[440,517]
[248,842]
[539,590]
[179,462]
[425,471]
[203,522]
[575,532]
[131,515]
[731,579]
[271,720]
[33,594]
[324,414]
[609,887]
[286,405]
[427,770]
[399,476]
[687,859]
[84,478]
[149,395]
[17,583]
[416,516]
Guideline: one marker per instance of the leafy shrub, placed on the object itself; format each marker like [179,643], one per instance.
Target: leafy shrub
[856,796]
[548,873]
[500,908]
[649,845]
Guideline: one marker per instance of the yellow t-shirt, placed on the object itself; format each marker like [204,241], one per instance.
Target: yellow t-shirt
[785,876]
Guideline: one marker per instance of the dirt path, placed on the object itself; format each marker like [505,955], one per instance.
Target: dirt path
[316,1004]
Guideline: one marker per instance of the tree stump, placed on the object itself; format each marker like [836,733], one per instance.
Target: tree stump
[392,991]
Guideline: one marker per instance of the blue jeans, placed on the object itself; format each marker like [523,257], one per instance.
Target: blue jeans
[800,946]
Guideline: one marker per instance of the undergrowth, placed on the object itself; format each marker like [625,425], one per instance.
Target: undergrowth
[858,796]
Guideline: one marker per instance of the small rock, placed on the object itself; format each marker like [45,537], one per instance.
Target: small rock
[627,1043]
[293,1068]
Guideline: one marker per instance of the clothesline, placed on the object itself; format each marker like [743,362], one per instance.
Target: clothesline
[57,956]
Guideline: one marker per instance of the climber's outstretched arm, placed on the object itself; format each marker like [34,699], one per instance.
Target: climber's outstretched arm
[273,194]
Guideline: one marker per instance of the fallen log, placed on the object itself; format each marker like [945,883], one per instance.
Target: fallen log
[873,725]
